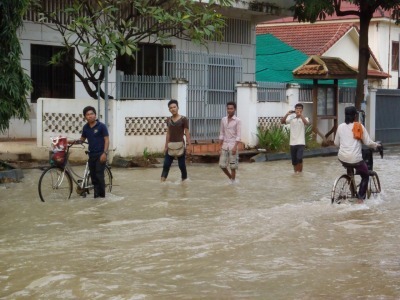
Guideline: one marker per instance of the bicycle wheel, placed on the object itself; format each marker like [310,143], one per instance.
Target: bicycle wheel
[107,179]
[374,185]
[343,190]
[55,184]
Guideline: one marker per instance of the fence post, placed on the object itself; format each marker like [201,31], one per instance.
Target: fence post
[371,113]
[39,122]
[247,111]
[179,90]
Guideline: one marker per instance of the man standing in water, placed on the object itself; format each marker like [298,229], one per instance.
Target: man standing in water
[97,135]
[177,128]
[229,137]
[297,135]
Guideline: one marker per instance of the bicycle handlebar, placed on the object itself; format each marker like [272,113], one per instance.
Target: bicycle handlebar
[380,149]
[77,142]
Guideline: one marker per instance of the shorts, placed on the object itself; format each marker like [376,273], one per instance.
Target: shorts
[227,159]
[296,152]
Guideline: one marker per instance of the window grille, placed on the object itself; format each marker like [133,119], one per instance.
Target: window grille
[236,31]
[271,91]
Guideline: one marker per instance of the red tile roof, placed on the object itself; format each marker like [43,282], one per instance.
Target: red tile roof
[324,67]
[311,39]
[379,13]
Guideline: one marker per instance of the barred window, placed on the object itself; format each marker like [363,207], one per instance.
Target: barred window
[147,61]
[395,56]
[236,32]
[51,80]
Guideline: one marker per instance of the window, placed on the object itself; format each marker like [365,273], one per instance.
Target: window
[149,61]
[395,56]
[236,31]
[51,81]
[326,101]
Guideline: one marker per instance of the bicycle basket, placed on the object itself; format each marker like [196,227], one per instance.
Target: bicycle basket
[58,158]
[59,147]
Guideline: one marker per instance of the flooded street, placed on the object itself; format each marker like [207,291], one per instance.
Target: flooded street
[272,235]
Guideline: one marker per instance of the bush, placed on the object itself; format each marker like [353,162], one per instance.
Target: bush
[275,138]
[311,142]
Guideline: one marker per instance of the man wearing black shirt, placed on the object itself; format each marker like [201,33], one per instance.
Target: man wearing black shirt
[96,134]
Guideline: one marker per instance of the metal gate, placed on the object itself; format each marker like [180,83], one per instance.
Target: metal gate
[387,124]
[212,79]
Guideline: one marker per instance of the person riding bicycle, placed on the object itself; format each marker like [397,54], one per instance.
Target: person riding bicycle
[350,136]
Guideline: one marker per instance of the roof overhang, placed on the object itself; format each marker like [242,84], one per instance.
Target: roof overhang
[323,67]
[377,74]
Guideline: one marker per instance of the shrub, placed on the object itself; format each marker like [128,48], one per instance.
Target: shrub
[262,136]
[275,138]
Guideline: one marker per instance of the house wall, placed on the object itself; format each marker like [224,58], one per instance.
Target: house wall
[381,34]
[350,56]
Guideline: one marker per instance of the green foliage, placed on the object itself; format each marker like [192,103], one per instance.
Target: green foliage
[275,138]
[146,153]
[14,83]
[105,29]
[310,138]
[262,136]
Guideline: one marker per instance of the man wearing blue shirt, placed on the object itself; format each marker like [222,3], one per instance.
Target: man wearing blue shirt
[96,134]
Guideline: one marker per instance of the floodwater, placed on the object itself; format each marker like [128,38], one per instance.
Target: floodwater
[272,235]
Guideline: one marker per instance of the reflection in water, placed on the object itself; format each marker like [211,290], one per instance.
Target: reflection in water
[272,235]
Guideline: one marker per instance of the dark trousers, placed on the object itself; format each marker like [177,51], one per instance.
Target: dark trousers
[296,153]
[97,175]
[362,170]
[168,159]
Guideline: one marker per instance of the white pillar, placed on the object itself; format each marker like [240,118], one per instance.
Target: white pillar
[39,122]
[247,112]
[371,113]
[179,92]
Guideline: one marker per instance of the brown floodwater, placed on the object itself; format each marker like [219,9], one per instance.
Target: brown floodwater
[272,235]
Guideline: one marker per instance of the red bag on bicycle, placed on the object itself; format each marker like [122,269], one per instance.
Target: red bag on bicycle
[59,148]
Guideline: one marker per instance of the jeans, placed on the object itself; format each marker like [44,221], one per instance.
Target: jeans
[168,159]
[97,175]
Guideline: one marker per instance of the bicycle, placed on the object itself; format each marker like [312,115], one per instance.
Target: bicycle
[56,182]
[345,187]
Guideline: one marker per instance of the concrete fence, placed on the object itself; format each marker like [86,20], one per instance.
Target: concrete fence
[138,124]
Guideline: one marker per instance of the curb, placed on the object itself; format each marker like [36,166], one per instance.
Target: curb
[263,157]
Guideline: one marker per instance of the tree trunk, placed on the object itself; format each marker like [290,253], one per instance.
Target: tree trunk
[363,58]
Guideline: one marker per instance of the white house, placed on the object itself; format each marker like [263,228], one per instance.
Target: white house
[223,64]
[384,36]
